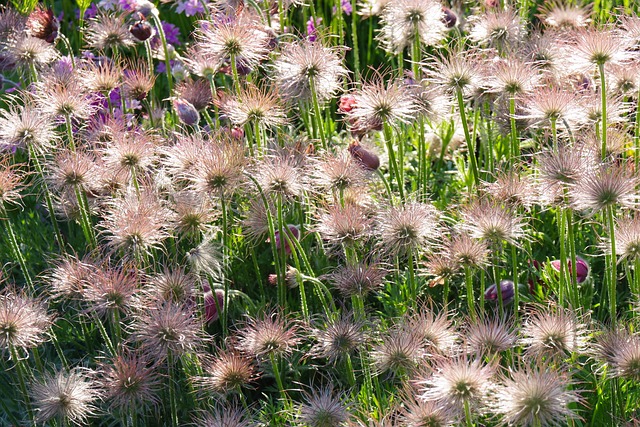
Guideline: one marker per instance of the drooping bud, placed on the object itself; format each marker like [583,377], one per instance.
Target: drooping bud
[187,113]
[141,29]
[449,18]
[506,290]
[42,24]
[366,158]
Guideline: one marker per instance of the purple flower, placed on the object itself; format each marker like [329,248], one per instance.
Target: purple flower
[312,33]
[91,12]
[171,33]
[162,67]
[506,290]
[189,7]
[346,7]
[128,5]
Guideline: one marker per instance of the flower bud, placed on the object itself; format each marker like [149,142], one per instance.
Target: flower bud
[582,268]
[366,158]
[506,290]
[347,102]
[295,232]
[141,30]
[187,113]
[42,24]
[211,307]
[448,17]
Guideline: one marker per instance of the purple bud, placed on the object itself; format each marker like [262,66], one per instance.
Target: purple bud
[295,232]
[210,307]
[187,113]
[582,268]
[506,290]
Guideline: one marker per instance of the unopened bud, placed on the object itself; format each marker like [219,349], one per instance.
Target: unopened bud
[506,290]
[211,306]
[141,30]
[187,113]
[366,158]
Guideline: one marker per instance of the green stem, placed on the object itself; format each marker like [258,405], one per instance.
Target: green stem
[15,246]
[20,370]
[467,413]
[276,373]
[354,39]
[515,146]
[85,217]
[471,146]
[564,283]
[173,402]
[416,53]
[613,274]
[67,122]
[468,278]
[516,292]
[167,59]
[603,96]
[573,272]
[224,314]
[554,134]
[317,116]
[393,164]
[47,196]
[234,71]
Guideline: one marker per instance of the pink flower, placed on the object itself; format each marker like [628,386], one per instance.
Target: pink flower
[582,268]
[211,313]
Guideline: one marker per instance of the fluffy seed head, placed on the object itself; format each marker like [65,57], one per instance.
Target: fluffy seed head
[24,321]
[254,105]
[304,65]
[242,38]
[167,329]
[436,330]
[553,332]
[399,352]
[457,381]
[408,228]
[323,408]
[136,223]
[228,372]
[627,236]
[405,20]
[346,224]
[604,187]
[500,29]
[377,103]
[269,334]
[338,337]
[537,395]
[108,31]
[357,279]
[24,125]
[487,220]
[130,382]
[488,336]
[69,396]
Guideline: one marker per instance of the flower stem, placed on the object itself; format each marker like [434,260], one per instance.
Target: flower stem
[613,274]
[468,278]
[471,146]
[394,168]
[603,96]
[317,116]
[15,247]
